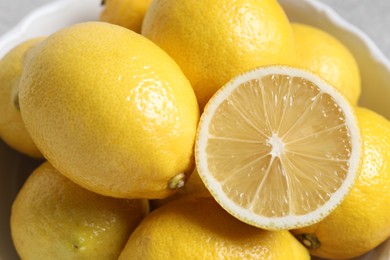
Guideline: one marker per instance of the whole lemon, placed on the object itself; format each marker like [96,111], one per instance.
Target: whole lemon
[110,110]
[362,221]
[322,53]
[54,218]
[126,13]
[214,40]
[12,129]
[196,227]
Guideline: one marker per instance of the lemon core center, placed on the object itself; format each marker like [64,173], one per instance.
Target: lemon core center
[277,145]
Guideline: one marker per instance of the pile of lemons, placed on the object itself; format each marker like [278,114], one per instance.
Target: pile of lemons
[208,129]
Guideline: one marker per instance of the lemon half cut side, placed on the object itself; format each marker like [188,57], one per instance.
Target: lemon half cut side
[278,147]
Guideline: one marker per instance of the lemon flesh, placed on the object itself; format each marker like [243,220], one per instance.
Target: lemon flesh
[278,147]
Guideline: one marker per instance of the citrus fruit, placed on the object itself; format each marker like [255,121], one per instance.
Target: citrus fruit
[110,110]
[213,40]
[362,220]
[54,218]
[325,55]
[12,129]
[196,227]
[278,147]
[126,13]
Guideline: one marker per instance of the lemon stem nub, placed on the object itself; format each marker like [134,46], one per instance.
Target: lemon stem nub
[177,181]
[16,101]
[310,241]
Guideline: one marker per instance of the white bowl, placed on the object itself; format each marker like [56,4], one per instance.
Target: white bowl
[375,72]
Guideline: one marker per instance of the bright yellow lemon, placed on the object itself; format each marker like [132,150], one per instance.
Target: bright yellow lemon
[362,221]
[196,227]
[110,110]
[12,129]
[214,40]
[322,53]
[126,13]
[54,218]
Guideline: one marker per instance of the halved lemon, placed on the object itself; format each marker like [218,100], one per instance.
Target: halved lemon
[278,147]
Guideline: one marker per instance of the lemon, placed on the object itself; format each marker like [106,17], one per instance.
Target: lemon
[195,227]
[126,13]
[213,40]
[54,218]
[362,221]
[110,110]
[278,147]
[12,129]
[322,53]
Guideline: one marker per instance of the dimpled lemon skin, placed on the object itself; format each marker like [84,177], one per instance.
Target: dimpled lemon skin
[110,110]
[362,220]
[126,13]
[196,227]
[322,53]
[214,40]
[54,218]
[12,129]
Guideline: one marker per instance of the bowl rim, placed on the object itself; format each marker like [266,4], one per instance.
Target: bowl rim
[13,35]
[23,25]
